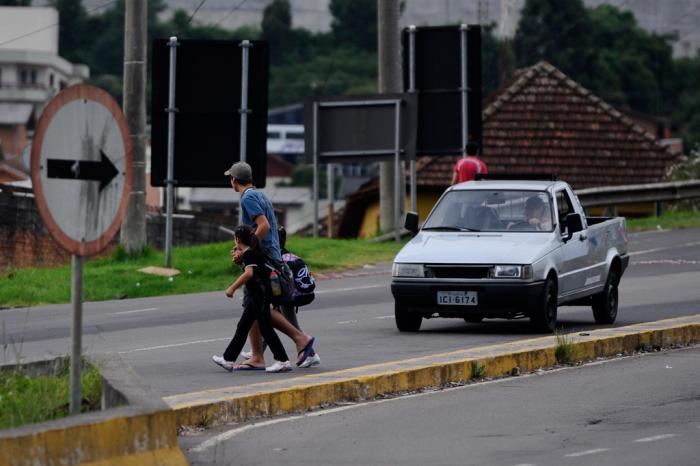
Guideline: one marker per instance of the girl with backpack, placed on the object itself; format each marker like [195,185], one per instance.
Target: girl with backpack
[256,279]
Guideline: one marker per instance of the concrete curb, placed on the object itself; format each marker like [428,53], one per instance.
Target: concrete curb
[304,393]
[135,427]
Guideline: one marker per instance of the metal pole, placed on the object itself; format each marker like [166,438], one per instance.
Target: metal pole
[76,333]
[133,230]
[170,195]
[244,110]
[315,149]
[463,89]
[412,88]
[398,195]
[389,81]
[331,195]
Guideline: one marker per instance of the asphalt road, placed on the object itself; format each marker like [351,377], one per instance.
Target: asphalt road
[169,340]
[640,410]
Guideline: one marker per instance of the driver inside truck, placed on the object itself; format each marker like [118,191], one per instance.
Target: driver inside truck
[537,214]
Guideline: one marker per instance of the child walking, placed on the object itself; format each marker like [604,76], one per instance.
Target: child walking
[256,278]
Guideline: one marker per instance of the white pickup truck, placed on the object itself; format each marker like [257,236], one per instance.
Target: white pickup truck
[508,249]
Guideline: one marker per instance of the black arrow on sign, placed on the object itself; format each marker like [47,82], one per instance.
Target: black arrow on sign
[103,171]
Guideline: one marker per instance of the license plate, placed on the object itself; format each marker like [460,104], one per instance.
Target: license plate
[457,298]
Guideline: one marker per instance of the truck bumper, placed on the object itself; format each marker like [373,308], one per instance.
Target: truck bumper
[494,299]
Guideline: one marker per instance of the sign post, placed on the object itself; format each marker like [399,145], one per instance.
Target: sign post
[81,175]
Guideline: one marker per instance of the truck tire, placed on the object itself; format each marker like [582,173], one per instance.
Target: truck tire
[406,321]
[543,318]
[605,302]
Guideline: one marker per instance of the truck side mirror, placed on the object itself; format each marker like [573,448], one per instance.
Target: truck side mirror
[574,224]
[411,222]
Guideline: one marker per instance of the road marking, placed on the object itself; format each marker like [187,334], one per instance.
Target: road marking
[135,311]
[587,452]
[354,288]
[655,438]
[239,430]
[175,345]
[343,322]
[648,251]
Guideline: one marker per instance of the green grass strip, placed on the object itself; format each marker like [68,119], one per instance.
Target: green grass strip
[668,221]
[26,400]
[203,268]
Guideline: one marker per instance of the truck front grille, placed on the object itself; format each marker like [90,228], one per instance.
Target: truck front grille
[474,272]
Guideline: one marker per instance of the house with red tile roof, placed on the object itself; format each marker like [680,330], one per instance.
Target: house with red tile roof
[540,122]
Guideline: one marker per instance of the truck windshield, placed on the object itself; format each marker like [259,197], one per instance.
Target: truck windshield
[492,210]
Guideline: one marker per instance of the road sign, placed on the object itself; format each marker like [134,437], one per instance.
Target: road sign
[209,105]
[81,168]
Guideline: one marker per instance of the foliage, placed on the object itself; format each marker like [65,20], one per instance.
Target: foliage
[355,24]
[478,370]
[204,268]
[276,27]
[669,220]
[564,351]
[26,400]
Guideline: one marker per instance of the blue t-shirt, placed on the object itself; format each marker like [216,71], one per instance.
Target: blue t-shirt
[254,204]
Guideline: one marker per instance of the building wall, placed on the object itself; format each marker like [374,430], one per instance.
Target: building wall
[370,222]
[15,22]
[13,139]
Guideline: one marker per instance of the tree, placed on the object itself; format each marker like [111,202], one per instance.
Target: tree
[355,23]
[556,31]
[72,40]
[276,26]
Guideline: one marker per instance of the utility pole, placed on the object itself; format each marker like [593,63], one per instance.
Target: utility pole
[389,82]
[133,232]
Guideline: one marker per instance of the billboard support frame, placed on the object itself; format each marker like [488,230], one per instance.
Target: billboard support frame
[464,88]
[170,195]
[396,152]
[412,88]
[244,110]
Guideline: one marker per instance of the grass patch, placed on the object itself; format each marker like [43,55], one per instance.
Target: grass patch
[478,370]
[668,221]
[564,351]
[26,400]
[204,268]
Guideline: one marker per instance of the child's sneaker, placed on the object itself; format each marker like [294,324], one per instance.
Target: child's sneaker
[312,360]
[279,366]
[219,361]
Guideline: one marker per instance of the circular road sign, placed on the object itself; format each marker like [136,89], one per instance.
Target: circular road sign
[81,168]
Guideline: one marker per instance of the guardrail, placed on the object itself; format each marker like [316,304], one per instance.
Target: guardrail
[639,193]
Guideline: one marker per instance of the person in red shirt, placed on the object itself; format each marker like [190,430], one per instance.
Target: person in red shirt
[468,166]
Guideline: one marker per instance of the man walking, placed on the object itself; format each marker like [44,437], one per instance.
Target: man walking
[468,166]
[257,211]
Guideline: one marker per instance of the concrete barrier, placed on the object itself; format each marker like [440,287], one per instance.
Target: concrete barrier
[299,394]
[135,427]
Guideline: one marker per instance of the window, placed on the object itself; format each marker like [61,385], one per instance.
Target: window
[51,80]
[24,76]
[32,76]
[0,77]
[564,208]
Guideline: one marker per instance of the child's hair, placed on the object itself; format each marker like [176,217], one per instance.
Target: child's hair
[282,234]
[246,235]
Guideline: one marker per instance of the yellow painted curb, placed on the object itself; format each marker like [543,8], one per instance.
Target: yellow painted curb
[304,393]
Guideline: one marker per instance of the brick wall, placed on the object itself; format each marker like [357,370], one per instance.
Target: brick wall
[25,242]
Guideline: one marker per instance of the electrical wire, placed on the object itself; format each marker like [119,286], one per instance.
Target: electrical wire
[234,9]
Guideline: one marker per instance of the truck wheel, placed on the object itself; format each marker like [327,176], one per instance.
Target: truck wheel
[406,321]
[473,319]
[544,317]
[605,302]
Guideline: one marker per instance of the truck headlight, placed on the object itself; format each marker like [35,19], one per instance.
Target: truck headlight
[407,270]
[523,272]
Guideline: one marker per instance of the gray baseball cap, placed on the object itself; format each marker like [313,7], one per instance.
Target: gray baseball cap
[240,171]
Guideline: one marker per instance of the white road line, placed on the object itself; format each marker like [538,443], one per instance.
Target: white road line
[655,438]
[354,288]
[587,452]
[344,322]
[232,433]
[135,311]
[649,251]
[175,345]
